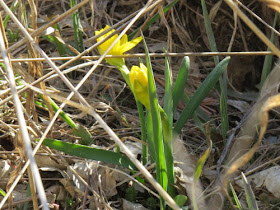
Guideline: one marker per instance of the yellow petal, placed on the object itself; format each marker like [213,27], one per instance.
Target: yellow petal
[124,39]
[103,29]
[129,45]
[119,48]
[141,93]
[133,74]
[139,81]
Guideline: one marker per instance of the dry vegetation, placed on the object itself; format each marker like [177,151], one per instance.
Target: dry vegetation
[71,182]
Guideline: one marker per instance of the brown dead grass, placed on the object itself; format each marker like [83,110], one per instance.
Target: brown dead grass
[182,31]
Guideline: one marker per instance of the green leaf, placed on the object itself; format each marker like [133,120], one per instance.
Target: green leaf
[268,58]
[180,83]
[82,132]
[161,172]
[222,81]
[168,151]
[166,115]
[250,197]
[180,200]
[62,114]
[13,7]
[200,164]
[62,48]
[237,202]
[168,99]
[90,153]
[2,192]
[200,94]
[77,28]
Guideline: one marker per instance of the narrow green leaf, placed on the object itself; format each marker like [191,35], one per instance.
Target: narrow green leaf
[237,202]
[166,115]
[268,58]
[180,82]
[200,164]
[209,31]
[12,8]
[222,81]
[82,132]
[200,94]
[90,153]
[77,28]
[199,112]
[161,172]
[168,151]
[168,99]
[250,197]
[2,192]
[62,49]
[62,114]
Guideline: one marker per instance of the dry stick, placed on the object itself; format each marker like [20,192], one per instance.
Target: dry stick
[258,18]
[233,33]
[253,27]
[257,168]
[136,55]
[242,35]
[145,172]
[44,27]
[63,65]
[22,123]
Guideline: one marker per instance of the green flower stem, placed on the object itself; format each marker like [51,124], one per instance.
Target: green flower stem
[143,132]
[168,151]
[125,73]
[150,138]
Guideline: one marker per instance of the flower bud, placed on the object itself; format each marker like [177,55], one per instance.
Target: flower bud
[139,80]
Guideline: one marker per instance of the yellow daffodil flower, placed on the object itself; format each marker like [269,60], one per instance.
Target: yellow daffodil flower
[139,80]
[122,46]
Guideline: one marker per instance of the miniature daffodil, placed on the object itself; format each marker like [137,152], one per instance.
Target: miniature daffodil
[122,46]
[139,80]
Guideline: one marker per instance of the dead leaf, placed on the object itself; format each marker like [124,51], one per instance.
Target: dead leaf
[247,134]
[187,164]
[268,178]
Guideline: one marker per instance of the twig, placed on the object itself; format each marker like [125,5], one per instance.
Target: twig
[23,128]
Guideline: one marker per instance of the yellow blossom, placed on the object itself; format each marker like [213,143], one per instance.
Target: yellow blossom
[139,80]
[122,46]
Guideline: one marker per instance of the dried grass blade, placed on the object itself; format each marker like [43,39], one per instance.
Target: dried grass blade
[270,103]
[21,120]
[273,4]
[253,27]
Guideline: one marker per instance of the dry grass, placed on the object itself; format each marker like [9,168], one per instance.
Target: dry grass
[98,98]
